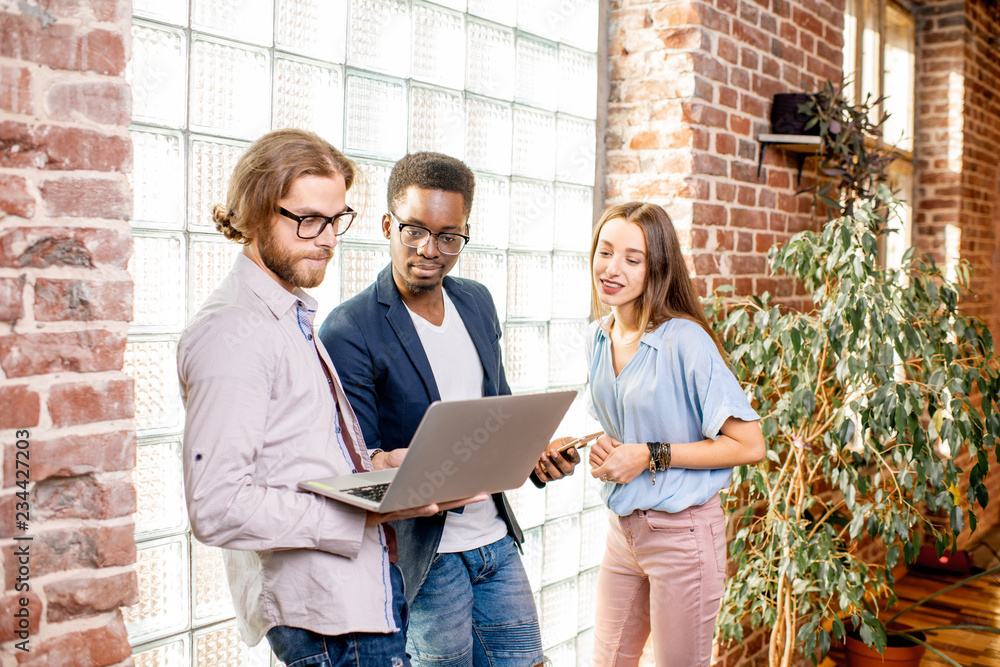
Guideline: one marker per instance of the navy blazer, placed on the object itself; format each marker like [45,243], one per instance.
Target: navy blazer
[389,382]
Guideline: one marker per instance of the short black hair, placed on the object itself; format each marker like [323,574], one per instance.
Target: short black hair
[431,171]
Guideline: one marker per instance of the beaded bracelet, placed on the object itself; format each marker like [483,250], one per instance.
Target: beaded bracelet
[659,458]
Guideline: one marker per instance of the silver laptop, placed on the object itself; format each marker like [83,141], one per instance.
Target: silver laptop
[460,449]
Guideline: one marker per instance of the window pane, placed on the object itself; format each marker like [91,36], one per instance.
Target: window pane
[172,654]
[577,82]
[563,500]
[377,123]
[561,537]
[532,204]
[170,11]
[900,71]
[899,237]
[574,217]
[437,121]
[210,588]
[313,27]
[211,260]
[526,357]
[534,143]
[309,97]
[871,46]
[558,622]
[156,73]
[157,268]
[378,32]
[490,66]
[377,78]
[501,12]
[575,150]
[850,50]
[368,197]
[210,164]
[438,46]
[490,269]
[152,364]
[158,179]
[226,92]
[490,212]
[161,567]
[159,487]
[246,20]
[535,63]
[569,272]
[360,267]
[527,274]
[489,126]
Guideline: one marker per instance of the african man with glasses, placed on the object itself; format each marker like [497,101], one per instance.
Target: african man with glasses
[266,410]
[414,336]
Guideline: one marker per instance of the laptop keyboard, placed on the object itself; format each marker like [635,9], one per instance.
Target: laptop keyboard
[370,492]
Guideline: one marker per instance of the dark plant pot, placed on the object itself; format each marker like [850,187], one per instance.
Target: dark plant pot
[899,652]
[785,116]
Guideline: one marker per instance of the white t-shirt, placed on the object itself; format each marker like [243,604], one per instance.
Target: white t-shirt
[458,373]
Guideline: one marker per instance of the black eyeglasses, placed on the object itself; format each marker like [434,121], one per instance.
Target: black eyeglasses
[414,236]
[311,226]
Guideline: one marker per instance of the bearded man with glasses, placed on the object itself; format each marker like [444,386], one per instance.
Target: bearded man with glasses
[414,336]
[266,410]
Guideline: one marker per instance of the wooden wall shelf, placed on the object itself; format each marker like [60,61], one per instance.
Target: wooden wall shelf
[803,145]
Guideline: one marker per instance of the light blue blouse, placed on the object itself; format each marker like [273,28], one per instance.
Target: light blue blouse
[676,388]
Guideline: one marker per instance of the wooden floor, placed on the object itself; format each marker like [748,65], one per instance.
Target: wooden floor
[975,603]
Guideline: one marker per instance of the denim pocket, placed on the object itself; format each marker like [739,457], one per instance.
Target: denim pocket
[321,660]
[297,647]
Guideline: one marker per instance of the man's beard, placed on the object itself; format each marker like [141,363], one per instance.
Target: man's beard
[285,263]
[420,288]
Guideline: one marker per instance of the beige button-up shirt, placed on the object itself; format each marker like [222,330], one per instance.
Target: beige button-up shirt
[261,417]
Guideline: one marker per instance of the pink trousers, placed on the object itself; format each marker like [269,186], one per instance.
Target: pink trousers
[662,573]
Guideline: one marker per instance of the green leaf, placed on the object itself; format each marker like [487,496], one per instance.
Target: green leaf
[956,519]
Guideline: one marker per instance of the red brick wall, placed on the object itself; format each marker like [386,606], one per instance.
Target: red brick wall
[691,88]
[938,122]
[65,304]
[958,121]
[980,213]
[958,130]
[980,207]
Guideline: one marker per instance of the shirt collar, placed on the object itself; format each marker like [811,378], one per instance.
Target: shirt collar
[652,338]
[278,300]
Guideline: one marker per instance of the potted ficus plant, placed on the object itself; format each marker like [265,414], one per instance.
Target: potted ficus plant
[879,404]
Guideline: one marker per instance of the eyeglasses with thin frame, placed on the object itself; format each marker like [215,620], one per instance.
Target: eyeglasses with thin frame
[414,236]
[311,226]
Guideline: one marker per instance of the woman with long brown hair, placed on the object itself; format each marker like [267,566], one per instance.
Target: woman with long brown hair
[676,421]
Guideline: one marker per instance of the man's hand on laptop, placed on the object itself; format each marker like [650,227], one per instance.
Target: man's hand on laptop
[382,460]
[375,518]
[553,465]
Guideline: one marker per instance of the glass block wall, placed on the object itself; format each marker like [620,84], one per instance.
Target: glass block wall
[510,87]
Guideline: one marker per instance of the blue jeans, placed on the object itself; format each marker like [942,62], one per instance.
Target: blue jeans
[304,648]
[475,608]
